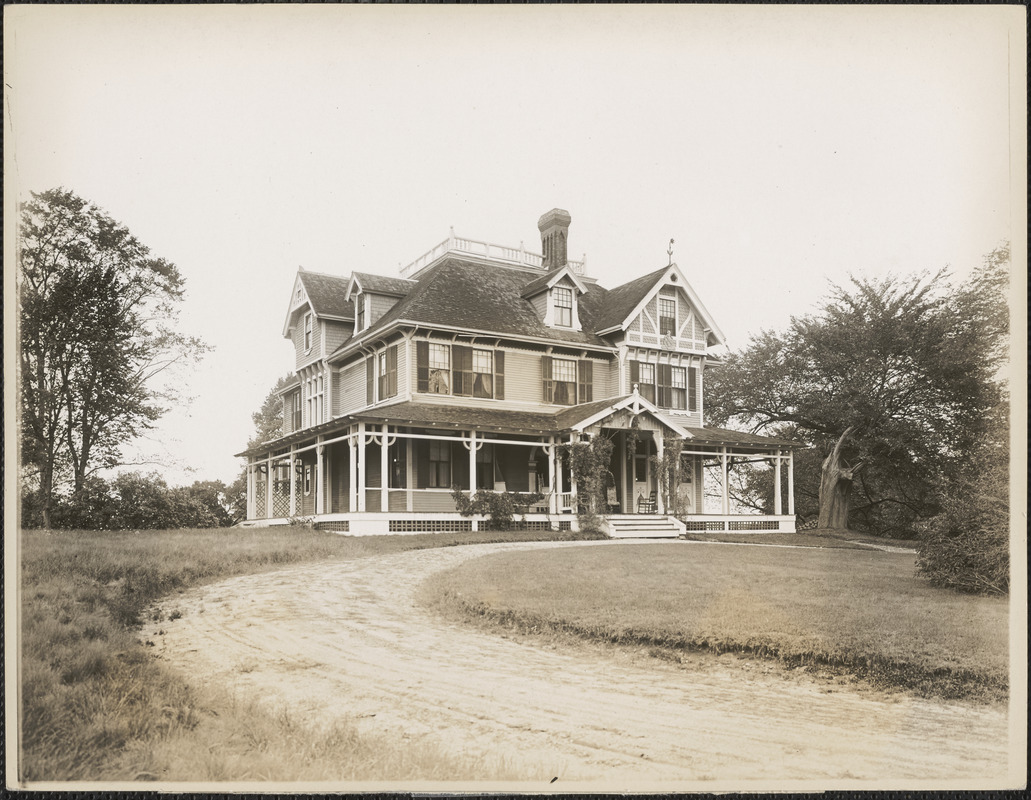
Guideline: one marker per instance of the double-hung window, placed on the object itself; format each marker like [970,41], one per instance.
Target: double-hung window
[667,316]
[646,381]
[381,376]
[308,328]
[460,370]
[678,390]
[563,374]
[439,369]
[483,373]
[562,298]
[359,313]
[440,464]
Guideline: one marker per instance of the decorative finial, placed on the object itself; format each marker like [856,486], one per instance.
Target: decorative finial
[670,252]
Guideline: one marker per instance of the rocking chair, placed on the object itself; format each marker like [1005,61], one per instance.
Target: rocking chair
[649,506]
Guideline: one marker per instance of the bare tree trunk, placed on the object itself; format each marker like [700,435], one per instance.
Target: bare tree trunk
[836,487]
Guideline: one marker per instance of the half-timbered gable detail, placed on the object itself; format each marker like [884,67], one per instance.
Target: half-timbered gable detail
[473,369]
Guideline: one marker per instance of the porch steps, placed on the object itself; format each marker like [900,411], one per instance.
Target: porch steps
[643,526]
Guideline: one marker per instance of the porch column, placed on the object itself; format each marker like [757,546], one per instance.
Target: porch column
[250,491]
[559,488]
[472,463]
[791,482]
[726,484]
[574,437]
[660,504]
[320,480]
[293,484]
[777,501]
[384,470]
[352,473]
[269,487]
[361,466]
[409,475]
[552,499]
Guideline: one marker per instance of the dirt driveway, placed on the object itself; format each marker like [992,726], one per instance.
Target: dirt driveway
[349,640]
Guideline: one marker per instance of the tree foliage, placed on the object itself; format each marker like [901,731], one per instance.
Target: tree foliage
[97,329]
[910,364]
[268,419]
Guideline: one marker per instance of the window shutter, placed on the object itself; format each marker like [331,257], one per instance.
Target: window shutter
[422,366]
[664,374]
[461,369]
[370,380]
[499,374]
[692,388]
[392,371]
[635,374]
[585,388]
[546,382]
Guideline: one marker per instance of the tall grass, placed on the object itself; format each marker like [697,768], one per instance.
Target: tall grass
[858,611]
[95,704]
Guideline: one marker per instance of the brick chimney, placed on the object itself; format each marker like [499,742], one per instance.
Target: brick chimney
[554,228]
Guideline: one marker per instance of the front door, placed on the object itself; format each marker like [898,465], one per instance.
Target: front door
[642,479]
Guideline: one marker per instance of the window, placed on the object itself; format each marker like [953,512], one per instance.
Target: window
[645,379]
[314,394]
[483,373]
[679,388]
[307,479]
[563,301]
[294,404]
[485,467]
[460,370]
[440,465]
[359,312]
[381,376]
[667,316]
[563,375]
[307,332]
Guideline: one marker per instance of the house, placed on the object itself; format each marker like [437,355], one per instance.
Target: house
[472,368]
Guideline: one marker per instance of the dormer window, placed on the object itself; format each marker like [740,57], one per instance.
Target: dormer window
[307,332]
[563,300]
[359,313]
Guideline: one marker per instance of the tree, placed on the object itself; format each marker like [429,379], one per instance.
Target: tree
[97,329]
[891,380]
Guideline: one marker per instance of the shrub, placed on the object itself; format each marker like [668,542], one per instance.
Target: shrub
[500,507]
[966,546]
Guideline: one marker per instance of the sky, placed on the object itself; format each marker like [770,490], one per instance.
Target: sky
[782,148]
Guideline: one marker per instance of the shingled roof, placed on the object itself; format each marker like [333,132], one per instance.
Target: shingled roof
[621,301]
[326,294]
[381,284]
[459,295]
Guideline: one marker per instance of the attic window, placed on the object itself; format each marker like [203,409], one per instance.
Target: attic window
[563,300]
[359,312]
[667,316]
[307,332]
[298,295]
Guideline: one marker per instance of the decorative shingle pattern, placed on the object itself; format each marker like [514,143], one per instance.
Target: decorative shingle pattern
[326,293]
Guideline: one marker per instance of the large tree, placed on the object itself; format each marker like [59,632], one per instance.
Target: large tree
[888,382]
[97,329]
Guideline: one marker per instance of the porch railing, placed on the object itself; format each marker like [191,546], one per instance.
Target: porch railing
[737,523]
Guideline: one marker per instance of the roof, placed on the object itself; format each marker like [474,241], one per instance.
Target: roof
[621,301]
[457,295]
[326,294]
[538,285]
[455,416]
[381,284]
[725,436]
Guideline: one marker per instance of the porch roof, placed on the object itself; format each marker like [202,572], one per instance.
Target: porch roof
[724,436]
[432,414]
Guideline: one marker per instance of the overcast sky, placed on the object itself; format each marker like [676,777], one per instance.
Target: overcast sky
[781,147]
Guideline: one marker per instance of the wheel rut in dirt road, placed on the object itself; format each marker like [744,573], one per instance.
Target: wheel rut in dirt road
[349,640]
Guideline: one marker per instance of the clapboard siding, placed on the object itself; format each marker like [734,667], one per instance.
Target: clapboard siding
[303,358]
[350,394]
[336,334]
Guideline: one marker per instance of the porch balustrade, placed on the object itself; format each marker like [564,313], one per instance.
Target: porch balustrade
[494,252]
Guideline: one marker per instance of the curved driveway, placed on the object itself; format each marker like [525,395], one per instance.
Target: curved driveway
[349,640]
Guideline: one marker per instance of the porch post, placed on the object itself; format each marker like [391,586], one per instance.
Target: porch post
[726,485]
[293,484]
[660,447]
[409,475]
[352,473]
[552,499]
[574,437]
[269,487]
[361,466]
[250,491]
[320,480]
[791,482]
[559,488]
[777,501]
[384,469]
[472,463]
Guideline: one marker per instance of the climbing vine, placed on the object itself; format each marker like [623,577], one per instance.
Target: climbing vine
[589,463]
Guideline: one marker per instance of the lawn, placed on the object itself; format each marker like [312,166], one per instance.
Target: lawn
[863,612]
[95,703]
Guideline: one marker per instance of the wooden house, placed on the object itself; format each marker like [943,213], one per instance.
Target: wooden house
[472,368]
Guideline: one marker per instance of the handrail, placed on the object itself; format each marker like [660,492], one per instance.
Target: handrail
[494,252]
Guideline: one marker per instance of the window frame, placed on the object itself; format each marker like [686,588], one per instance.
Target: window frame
[562,313]
[309,337]
[671,328]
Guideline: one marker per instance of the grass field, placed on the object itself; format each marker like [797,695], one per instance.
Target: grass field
[847,540]
[863,612]
[96,705]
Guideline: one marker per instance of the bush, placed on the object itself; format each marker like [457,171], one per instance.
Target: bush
[966,547]
[500,507]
